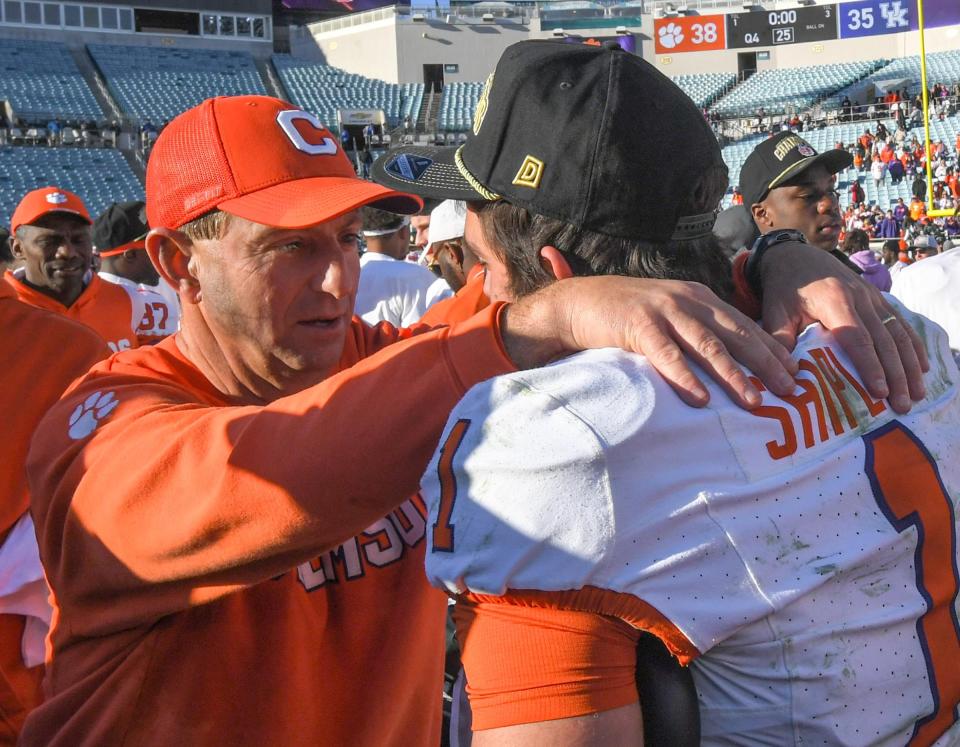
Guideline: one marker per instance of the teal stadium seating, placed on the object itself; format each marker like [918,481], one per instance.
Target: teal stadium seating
[457,105]
[704,88]
[323,89]
[99,176]
[798,87]
[41,78]
[942,67]
[459,100]
[157,84]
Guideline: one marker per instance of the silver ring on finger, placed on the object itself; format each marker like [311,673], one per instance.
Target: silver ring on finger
[891,318]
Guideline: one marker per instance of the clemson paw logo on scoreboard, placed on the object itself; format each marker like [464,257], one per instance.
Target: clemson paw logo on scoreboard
[671,36]
[87,416]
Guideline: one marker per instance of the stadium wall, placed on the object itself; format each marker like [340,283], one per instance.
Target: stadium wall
[260,7]
[77,39]
[396,48]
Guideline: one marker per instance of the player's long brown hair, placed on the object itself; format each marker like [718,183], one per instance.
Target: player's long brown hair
[518,236]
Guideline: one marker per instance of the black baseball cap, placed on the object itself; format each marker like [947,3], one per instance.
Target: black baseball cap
[590,135]
[780,158]
[120,225]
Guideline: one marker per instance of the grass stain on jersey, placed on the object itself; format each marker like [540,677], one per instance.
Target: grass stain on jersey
[876,589]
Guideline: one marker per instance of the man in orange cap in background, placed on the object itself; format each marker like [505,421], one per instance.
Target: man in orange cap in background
[50,235]
[227,566]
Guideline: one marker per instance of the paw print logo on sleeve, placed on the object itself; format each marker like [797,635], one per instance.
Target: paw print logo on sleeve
[671,35]
[87,416]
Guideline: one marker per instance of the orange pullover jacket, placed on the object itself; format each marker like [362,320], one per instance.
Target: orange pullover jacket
[225,574]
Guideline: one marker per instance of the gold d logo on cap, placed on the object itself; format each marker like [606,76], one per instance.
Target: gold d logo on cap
[482,104]
[56,198]
[530,173]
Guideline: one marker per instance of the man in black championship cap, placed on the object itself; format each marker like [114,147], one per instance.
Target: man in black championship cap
[575,505]
[787,185]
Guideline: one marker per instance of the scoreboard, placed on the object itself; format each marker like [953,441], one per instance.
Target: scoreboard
[792,26]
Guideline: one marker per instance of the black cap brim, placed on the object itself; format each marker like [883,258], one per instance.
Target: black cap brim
[835,161]
[427,171]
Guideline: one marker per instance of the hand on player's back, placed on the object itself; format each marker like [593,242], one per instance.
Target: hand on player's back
[803,285]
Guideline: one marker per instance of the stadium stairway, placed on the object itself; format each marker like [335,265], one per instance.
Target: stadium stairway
[270,79]
[95,83]
[427,119]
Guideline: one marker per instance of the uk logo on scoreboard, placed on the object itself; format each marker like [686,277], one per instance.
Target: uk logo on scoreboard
[873,17]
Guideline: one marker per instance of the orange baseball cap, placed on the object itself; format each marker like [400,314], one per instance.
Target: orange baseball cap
[259,158]
[45,200]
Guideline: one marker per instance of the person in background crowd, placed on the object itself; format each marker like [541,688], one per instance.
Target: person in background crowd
[878,171]
[925,246]
[446,246]
[421,227]
[874,271]
[6,256]
[788,185]
[118,238]
[735,229]
[900,213]
[51,238]
[391,289]
[855,241]
[888,228]
[895,167]
[856,193]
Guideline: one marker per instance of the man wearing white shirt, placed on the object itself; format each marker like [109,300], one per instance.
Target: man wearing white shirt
[390,289]
[929,288]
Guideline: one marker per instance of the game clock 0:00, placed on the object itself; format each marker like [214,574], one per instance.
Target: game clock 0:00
[789,26]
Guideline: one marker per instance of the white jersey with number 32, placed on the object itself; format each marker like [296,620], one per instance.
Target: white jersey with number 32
[803,555]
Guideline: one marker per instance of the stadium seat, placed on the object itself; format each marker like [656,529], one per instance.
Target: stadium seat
[704,88]
[157,84]
[40,79]
[99,176]
[797,88]
[324,89]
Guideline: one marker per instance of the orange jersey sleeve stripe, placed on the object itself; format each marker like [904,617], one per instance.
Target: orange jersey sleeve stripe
[530,664]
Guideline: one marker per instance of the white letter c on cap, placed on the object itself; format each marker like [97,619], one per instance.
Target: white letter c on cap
[286,119]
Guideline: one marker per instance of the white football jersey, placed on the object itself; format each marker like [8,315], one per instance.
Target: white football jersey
[803,555]
[929,287]
[154,316]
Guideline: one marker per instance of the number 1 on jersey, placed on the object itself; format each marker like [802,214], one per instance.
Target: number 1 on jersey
[909,491]
[442,528]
